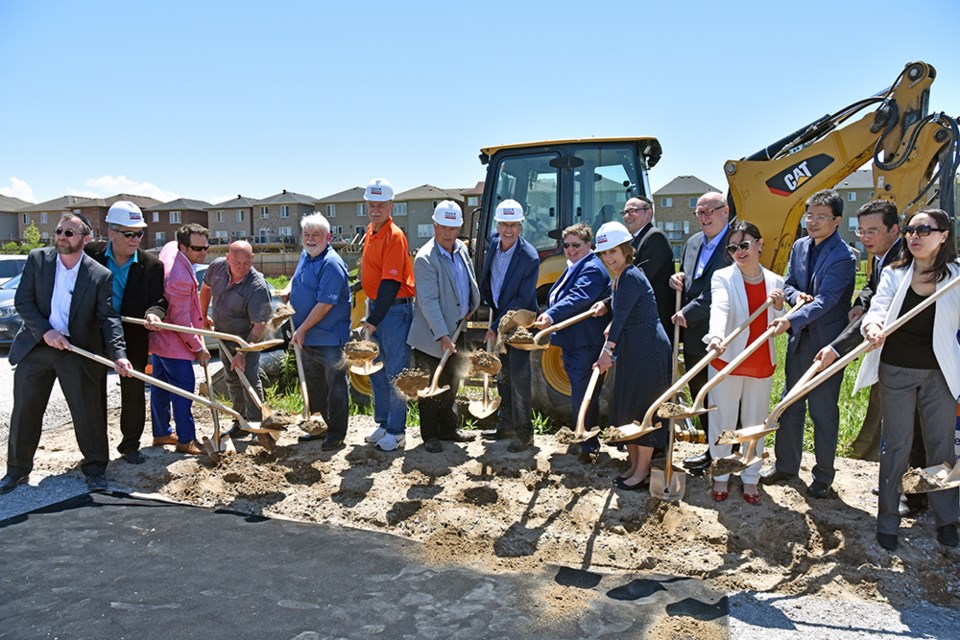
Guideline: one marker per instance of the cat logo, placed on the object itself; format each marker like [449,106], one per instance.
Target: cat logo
[794,176]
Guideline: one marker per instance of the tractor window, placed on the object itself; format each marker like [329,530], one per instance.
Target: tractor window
[531,181]
[602,184]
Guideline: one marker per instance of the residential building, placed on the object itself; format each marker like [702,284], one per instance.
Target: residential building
[232,220]
[856,190]
[675,206]
[347,213]
[413,211]
[277,218]
[9,227]
[96,210]
[46,215]
[163,220]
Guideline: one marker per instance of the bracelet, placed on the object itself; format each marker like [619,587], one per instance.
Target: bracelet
[608,350]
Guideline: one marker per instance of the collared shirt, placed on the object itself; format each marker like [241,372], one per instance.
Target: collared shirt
[498,270]
[120,275]
[323,279]
[557,288]
[386,256]
[236,307]
[707,249]
[460,277]
[63,284]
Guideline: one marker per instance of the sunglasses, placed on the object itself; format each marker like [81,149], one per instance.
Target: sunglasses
[66,232]
[575,245]
[131,234]
[743,246]
[922,230]
[200,248]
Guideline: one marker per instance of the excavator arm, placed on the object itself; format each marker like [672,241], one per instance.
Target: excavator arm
[914,155]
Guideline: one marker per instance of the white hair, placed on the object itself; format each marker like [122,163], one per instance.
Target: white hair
[315,220]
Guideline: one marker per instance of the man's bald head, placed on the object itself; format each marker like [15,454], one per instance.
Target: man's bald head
[239,259]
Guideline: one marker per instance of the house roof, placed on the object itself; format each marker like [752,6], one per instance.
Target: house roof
[857,180]
[236,203]
[8,203]
[141,201]
[353,194]
[288,197]
[473,191]
[685,185]
[182,203]
[428,192]
[58,204]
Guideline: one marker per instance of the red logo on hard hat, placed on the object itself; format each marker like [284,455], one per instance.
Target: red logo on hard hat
[376,191]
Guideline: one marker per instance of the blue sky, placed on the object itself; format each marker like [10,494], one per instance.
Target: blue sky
[210,99]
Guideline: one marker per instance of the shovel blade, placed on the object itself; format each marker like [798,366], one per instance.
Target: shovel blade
[586,435]
[734,464]
[480,410]
[226,445]
[366,368]
[211,450]
[266,442]
[527,346]
[745,435]
[631,431]
[261,346]
[672,491]
[431,391]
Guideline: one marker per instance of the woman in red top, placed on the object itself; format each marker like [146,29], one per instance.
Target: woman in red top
[744,396]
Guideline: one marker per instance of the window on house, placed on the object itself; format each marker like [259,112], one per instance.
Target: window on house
[424,230]
[358,230]
[159,238]
[240,215]
[400,209]
[43,218]
[852,196]
[285,231]
[264,234]
[44,235]
[219,216]
[264,212]
[26,218]
[853,223]
[473,201]
[284,211]
[362,209]
[331,211]
[337,230]
[175,217]
[220,234]
[668,202]
[156,216]
[692,203]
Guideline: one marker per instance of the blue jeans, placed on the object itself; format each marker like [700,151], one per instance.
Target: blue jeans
[179,373]
[326,377]
[389,407]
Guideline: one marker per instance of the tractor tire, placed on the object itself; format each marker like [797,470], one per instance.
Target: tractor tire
[551,388]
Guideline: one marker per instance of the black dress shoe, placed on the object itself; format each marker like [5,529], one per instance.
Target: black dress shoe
[775,476]
[498,434]
[133,456]
[643,484]
[97,483]
[11,482]
[699,470]
[818,489]
[947,535]
[704,459]
[887,540]
[459,435]
[235,431]
[310,437]
[433,445]
[519,444]
[331,443]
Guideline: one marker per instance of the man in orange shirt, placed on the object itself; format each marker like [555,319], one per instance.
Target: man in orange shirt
[387,279]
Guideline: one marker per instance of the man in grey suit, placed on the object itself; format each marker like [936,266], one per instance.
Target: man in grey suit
[447,294]
[703,254]
[65,298]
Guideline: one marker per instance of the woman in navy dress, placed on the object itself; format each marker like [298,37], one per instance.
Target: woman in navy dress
[638,343]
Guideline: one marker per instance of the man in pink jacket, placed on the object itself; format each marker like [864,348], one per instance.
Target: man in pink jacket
[173,351]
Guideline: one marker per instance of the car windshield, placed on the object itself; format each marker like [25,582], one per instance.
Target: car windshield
[11,283]
[10,268]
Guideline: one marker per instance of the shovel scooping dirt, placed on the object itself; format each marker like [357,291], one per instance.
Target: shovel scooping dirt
[483,362]
[410,382]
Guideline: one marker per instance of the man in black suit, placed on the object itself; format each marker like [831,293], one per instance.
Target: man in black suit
[137,292]
[64,299]
[703,254]
[652,255]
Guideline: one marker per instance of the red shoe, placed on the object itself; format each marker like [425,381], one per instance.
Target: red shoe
[752,499]
[719,496]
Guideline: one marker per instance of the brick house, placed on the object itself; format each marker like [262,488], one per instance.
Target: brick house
[163,220]
[9,226]
[413,211]
[675,205]
[96,210]
[231,220]
[45,215]
[347,213]
[277,218]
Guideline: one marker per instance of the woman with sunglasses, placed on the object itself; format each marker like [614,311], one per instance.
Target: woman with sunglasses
[584,282]
[744,396]
[917,367]
[637,340]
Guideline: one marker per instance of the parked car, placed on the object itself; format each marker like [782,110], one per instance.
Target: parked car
[10,266]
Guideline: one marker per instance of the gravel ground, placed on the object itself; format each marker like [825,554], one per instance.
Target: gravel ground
[751,614]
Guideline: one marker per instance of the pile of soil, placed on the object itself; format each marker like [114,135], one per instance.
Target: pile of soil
[919,481]
[672,410]
[410,381]
[477,504]
[519,335]
[361,351]
[315,426]
[280,315]
[279,419]
[483,362]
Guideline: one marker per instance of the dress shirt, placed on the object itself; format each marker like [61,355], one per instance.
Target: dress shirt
[498,270]
[563,279]
[707,249]
[460,278]
[120,275]
[63,284]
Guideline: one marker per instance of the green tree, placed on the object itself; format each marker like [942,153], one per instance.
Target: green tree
[31,238]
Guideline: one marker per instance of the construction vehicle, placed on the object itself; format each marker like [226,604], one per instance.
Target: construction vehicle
[563,182]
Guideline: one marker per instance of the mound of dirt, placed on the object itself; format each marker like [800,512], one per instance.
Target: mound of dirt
[410,381]
[279,419]
[315,426]
[361,350]
[671,410]
[483,362]
[280,315]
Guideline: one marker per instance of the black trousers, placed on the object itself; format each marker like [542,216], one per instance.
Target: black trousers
[133,402]
[32,383]
[437,417]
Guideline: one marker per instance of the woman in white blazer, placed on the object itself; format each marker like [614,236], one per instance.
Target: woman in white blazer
[738,291]
[917,367]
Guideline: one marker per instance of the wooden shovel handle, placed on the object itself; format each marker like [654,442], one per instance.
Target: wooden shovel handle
[242,375]
[561,325]
[297,351]
[582,413]
[194,330]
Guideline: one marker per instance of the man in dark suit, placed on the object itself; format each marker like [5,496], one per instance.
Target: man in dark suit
[64,299]
[509,282]
[137,292]
[652,255]
[822,271]
[704,253]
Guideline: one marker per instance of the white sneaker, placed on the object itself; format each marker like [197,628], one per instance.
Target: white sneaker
[391,442]
[375,437]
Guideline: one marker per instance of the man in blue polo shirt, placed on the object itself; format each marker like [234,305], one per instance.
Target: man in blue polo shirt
[320,295]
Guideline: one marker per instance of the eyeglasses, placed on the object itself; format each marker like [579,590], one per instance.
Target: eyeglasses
[922,230]
[818,219]
[575,245]
[131,234]
[633,210]
[743,246]
[200,248]
[867,233]
[67,232]
[706,213]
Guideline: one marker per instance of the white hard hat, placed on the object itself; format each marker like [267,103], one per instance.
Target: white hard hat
[378,190]
[448,214]
[125,214]
[610,235]
[509,211]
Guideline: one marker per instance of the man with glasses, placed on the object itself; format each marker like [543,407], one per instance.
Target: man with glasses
[174,351]
[241,307]
[137,292]
[652,255]
[822,271]
[64,299]
[702,255]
